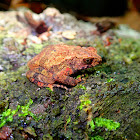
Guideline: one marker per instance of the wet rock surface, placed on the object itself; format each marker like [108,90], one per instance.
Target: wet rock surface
[111,89]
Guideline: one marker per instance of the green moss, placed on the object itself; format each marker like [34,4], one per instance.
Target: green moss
[7,116]
[81,87]
[101,122]
[92,125]
[110,80]
[113,86]
[3,78]
[6,78]
[85,102]
[97,138]
[68,120]
[34,49]
[109,124]
[3,105]
[21,111]
[47,137]
[128,49]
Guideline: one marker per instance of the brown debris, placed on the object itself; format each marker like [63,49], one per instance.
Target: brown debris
[36,7]
[39,26]
[5,132]
[105,25]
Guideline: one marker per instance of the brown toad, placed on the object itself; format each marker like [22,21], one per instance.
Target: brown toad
[53,66]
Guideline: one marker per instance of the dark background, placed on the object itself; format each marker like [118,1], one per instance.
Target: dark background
[84,7]
[92,7]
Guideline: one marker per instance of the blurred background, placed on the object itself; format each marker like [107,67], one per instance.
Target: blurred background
[128,9]
[84,7]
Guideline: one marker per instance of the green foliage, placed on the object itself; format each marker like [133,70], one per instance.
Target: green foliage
[25,111]
[81,87]
[7,116]
[102,122]
[110,80]
[91,124]
[96,122]
[85,102]
[68,120]
[109,124]
[49,89]
[97,138]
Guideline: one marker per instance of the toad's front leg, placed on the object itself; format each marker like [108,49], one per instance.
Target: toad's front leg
[67,80]
[64,78]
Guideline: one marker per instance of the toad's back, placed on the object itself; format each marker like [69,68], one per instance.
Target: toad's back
[56,54]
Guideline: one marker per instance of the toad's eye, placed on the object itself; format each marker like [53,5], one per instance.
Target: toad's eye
[88,60]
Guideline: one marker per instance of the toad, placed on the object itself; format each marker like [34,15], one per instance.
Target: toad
[55,64]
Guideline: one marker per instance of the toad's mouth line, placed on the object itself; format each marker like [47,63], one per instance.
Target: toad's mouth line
[83,71]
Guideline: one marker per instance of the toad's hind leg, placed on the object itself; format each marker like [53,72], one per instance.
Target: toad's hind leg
[39,79]
[61,86]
